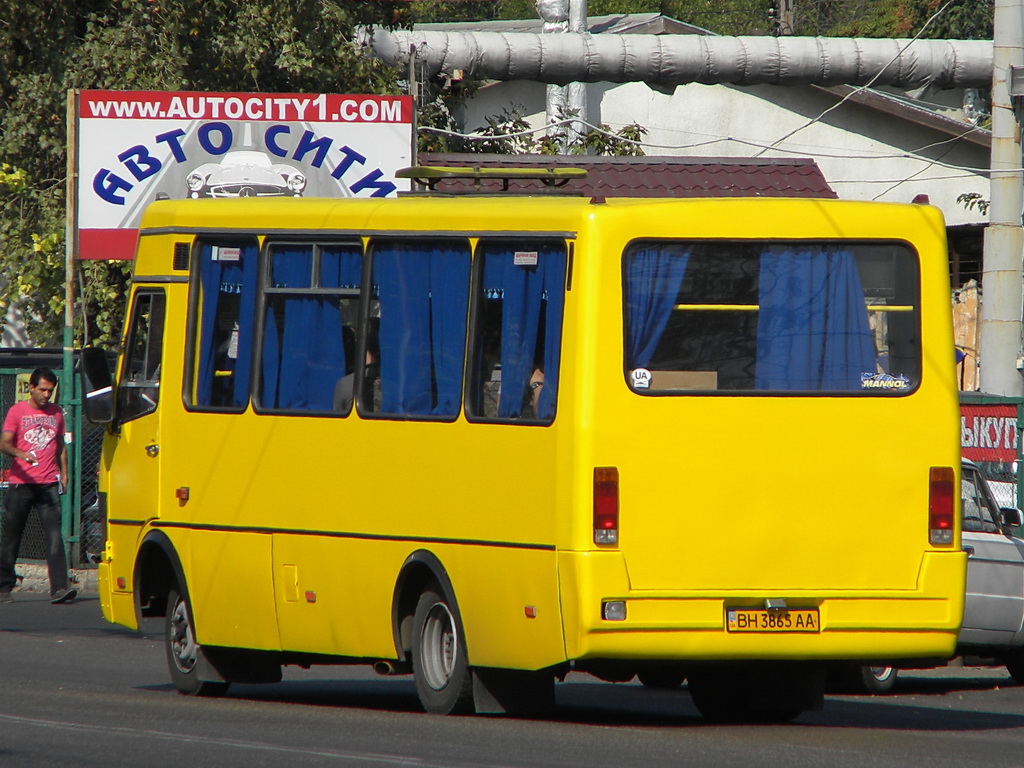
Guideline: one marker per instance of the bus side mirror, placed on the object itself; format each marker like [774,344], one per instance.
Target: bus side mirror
[98,386]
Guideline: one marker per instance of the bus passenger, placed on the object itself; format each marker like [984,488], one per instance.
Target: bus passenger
[343,390]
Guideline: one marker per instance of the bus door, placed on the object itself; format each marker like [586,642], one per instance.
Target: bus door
[138,419]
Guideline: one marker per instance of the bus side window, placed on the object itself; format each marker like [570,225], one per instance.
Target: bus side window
[139,390]
[422,289]
[311,305]
[518,328]
[227,295]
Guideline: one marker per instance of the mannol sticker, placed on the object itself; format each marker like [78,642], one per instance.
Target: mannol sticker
[883,381]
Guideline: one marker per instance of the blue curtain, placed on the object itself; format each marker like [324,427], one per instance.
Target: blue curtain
[525,291]
[654,273]
[221,278]
[812,331]
[302,366]
[423,289]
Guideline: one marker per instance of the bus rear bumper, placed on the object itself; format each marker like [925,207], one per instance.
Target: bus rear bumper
[694,626]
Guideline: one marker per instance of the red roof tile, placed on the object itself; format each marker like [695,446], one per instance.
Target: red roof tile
[650,176]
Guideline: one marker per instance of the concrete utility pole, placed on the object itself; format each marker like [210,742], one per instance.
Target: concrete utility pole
[1002,359]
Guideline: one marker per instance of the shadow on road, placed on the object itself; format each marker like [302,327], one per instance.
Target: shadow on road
[632,706]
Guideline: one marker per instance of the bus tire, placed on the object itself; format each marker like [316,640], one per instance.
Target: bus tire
[722,696]
[183,652]
[439,664]
[1014,662]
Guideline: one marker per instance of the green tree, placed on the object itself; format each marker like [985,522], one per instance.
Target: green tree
[963,20]
[47,48]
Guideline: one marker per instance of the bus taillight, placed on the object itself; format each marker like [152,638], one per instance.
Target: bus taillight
[606,505]
[941,484]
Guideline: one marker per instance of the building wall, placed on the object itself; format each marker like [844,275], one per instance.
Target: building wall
[858,149]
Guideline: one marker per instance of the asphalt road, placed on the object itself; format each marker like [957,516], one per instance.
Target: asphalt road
[79,692]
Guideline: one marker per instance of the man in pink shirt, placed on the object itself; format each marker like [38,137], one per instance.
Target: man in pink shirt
[33,435]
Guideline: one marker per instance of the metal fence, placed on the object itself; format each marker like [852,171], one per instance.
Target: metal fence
[80,519]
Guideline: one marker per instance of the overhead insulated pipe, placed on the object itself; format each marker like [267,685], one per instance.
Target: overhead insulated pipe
[666,61]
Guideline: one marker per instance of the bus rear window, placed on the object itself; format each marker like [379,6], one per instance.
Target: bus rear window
[803,316]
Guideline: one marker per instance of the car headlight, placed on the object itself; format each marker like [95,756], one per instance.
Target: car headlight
[195,181]
[296,182]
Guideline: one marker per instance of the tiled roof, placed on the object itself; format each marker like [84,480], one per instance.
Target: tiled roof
[650,176]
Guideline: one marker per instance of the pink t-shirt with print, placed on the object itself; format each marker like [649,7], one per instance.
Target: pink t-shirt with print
[38,430]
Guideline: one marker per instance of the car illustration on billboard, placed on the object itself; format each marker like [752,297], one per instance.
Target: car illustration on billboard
[245,173]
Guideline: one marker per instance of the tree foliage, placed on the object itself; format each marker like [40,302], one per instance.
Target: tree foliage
[964,19]
[47,48]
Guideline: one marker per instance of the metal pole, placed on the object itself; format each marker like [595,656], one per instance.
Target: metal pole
[576,93]
[1001,357]
[414,91]
[70,252]
[555,14]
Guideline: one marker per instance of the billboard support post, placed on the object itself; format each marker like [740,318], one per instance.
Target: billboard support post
[70,253]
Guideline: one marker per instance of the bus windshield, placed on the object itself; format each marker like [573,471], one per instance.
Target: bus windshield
[803,316]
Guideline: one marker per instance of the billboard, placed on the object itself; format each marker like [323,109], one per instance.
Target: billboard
[988,433]
[134,147]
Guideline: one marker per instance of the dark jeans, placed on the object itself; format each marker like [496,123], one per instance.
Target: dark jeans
[21,500]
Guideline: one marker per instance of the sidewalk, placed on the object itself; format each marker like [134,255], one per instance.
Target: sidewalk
[36,580]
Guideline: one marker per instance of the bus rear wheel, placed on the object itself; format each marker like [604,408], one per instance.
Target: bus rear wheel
[183,652]
[660,679]
[443,679]
[724,696]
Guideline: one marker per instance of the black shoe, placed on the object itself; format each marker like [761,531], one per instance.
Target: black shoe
[5,597]
[63,596]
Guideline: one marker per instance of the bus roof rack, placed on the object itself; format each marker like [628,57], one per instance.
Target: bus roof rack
[430,176]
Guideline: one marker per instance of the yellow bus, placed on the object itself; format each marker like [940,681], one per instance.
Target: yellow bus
[489,440]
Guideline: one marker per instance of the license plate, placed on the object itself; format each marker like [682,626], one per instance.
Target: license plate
[761,620]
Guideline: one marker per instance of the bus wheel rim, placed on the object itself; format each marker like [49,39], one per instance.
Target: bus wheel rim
[440,646]
[183,643]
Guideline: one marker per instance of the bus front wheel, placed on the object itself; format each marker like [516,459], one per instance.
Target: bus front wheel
[183,652]
[443,679]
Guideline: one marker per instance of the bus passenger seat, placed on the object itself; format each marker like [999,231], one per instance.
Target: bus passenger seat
[491,394]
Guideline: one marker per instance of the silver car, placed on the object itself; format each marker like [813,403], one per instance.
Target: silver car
[994,610]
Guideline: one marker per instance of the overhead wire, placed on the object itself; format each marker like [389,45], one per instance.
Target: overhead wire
[866,85]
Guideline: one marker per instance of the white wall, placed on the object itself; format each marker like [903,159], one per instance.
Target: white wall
[859,150]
